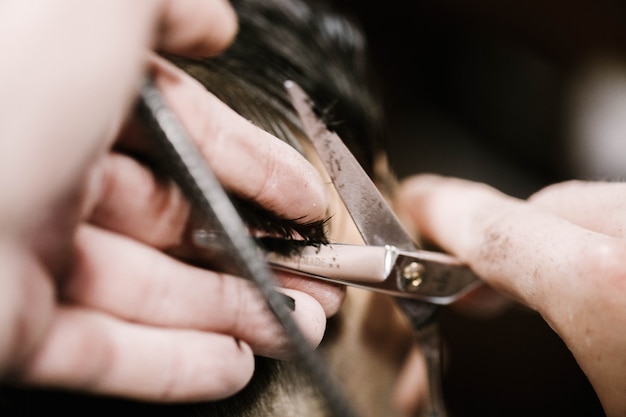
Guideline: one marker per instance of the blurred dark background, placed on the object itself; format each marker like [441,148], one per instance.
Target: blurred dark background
[517,94]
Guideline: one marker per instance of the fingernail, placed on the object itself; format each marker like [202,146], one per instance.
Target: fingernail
[289,302]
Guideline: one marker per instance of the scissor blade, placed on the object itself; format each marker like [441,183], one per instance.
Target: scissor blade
[371,213]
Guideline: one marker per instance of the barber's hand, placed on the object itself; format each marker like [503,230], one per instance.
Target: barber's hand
[562,253]
[89,299]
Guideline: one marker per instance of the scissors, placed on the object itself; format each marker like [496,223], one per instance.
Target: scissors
[389,262]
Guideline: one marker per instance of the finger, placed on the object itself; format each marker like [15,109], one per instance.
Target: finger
[92,352]
[144,285]
[26,304]
[197,27]
[329,295]
[127,197]
[247,160]
[512,245]
[482,302]
[580,202]
[90,82]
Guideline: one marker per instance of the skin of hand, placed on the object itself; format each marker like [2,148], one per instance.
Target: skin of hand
[561,253]
[89,298]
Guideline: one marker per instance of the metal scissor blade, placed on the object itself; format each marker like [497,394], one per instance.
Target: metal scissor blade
[371,213]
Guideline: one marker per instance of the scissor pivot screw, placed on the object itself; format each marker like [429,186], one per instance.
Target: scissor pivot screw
[413,276]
